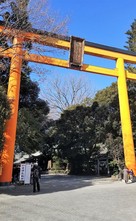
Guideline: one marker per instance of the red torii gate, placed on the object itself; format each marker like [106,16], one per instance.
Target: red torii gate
[78,47]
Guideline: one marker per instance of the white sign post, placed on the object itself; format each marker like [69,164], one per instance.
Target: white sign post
[22,172]
[25,173]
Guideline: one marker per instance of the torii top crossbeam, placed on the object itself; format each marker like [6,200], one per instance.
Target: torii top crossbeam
[63,42]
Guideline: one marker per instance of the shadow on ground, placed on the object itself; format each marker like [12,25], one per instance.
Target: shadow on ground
[55,183]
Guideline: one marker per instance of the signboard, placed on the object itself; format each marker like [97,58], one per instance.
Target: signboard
[25,173]
[22,172]
[76,52]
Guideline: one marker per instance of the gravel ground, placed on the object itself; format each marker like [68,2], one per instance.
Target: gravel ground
[69,198]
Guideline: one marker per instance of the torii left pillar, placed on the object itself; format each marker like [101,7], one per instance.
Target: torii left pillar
[13,96]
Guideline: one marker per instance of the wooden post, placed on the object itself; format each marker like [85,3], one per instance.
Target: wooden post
[129,151]
[13,96]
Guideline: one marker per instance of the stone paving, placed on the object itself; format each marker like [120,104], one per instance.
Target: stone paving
[70,198]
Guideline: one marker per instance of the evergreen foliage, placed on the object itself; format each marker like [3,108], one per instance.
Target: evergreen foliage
[77,134]
[131,43]
[5,113]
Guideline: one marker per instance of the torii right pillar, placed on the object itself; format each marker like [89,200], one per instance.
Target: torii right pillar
[128,143]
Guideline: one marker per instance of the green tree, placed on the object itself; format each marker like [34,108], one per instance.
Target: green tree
[131,35]
[131,46]
[76,135]
[131,43]
[5,113]
[109,97]
[30,131]
[110,124]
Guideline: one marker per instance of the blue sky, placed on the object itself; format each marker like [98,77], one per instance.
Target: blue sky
[100,21]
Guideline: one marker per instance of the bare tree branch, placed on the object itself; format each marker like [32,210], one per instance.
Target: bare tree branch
[63,93]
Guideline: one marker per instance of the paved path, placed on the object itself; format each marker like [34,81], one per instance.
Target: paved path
[70,198]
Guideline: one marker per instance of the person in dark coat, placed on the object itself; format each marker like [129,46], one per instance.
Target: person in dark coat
[36,176]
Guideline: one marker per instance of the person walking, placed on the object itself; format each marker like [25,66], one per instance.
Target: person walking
[131,175]
[36,176]
[125,174]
